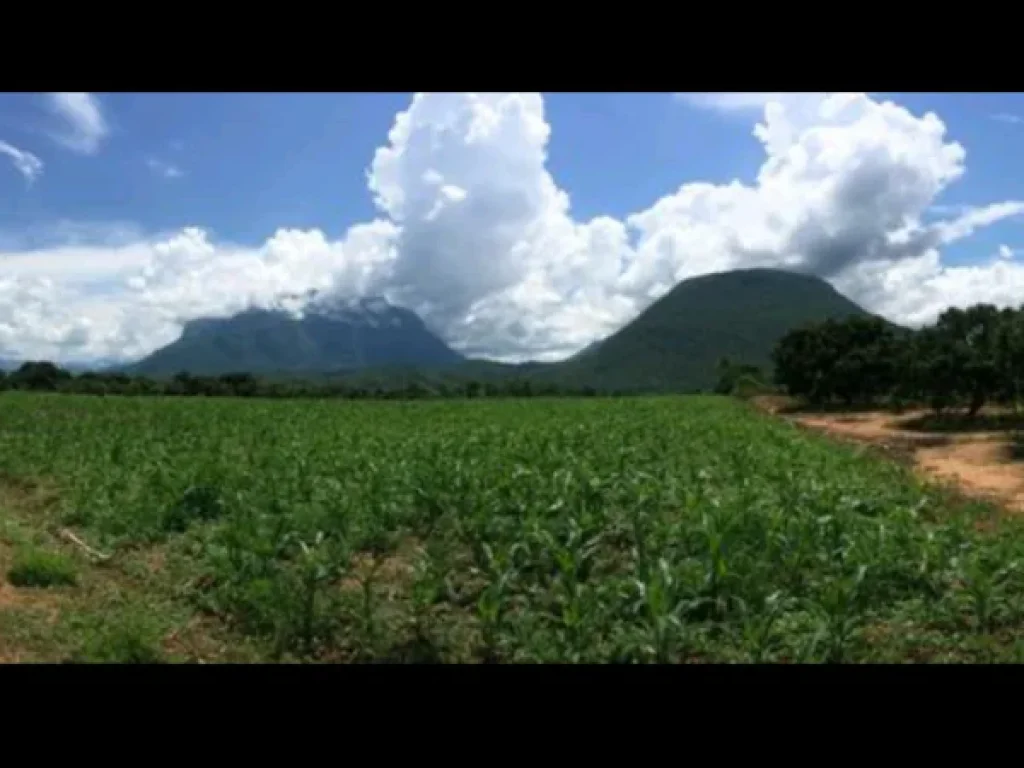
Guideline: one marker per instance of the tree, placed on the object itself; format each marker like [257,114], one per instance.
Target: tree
[38,375]
[730,375]
[799,362]
[239,384]
[1010,356]
[867,366]
[853,359]
[969,343]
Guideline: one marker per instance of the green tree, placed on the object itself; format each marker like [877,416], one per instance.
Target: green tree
[730,375]
[800,363]
[38,375]
[1010,356]
[239,384]
[969,340]
[853,359]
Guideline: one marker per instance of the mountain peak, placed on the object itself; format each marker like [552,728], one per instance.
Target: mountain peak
[329,334]
[740,314]
[367,311]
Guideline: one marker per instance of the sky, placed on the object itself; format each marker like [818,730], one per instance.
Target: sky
[518,225]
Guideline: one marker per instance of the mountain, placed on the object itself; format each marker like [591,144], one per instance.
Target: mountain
[678,340]
[675,344]
[332,336]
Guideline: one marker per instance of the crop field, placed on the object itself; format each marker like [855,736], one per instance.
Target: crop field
[673,529]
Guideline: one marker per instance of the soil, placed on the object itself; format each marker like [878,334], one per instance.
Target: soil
[980,463]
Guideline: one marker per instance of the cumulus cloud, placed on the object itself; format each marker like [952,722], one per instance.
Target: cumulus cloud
[475,235]
[83,125]
[25,163]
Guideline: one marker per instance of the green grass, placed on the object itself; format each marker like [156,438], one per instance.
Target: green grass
[39,568]
[638,530]
[134,636]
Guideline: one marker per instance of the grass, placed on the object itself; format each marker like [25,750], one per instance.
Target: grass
[661,529]
[39,568]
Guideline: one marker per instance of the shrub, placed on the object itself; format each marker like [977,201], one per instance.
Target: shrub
[38,568]
[128,636]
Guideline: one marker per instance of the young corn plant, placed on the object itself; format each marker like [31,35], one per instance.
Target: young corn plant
[760,636]
[574,560]
[840,616]
[661,603]
[427,588]
[493,601]
[984,587]
[317,568]
[713,601]
[368,610]
[650,600]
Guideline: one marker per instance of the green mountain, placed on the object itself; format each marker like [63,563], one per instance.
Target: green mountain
[678,340]
[675,344]
[354,335]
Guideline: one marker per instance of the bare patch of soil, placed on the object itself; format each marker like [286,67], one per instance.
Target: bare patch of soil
[980,462]
[981,468]
[394,572]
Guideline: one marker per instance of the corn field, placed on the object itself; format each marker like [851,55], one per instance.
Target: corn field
[669,529]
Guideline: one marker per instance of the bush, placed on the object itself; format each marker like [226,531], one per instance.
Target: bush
[127,636]
[198,504]
[38,568]
[747,386]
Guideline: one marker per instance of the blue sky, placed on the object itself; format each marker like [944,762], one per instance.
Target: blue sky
[253,162]
[113,175]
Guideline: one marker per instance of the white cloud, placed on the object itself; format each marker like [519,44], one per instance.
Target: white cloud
[77,263]
[1006,253]
[731,101]
[747,102]
[971,219]
[25,163]
[1006,117]
[61,234]
[476,236]
[166,170]
[84,127]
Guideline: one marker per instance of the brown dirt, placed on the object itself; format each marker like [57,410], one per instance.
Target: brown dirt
[979,463]
[980,468]
[156,560]
[392,572]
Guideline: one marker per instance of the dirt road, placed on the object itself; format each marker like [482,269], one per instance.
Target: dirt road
[981,463]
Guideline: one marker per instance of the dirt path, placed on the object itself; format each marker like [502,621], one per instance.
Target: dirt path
[981,463]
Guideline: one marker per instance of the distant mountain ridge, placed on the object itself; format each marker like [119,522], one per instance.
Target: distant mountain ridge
[328,336]
[674,344]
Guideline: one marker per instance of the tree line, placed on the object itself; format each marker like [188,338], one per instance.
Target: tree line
[965,359]
[44,376]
